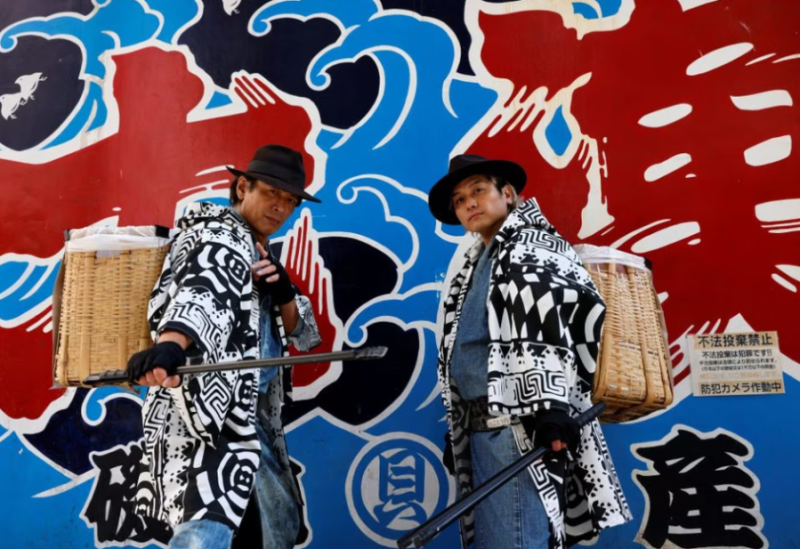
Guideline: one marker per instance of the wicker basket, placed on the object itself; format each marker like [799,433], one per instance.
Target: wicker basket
[634,370]
[100,305]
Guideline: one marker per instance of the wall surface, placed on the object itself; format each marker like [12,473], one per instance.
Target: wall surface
[668,128]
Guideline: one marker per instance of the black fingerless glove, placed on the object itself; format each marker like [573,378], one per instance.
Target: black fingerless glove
[281,291]
[549,425]
[168,355]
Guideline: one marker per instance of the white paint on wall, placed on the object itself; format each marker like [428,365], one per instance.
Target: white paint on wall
[759,59]
[762,100]
[778,211]
[668,166]
[792,271]
[687,5]
[769,151]
[785,283]
[787,58]
[638,231]
[666,116]
[718,58]
[666,237]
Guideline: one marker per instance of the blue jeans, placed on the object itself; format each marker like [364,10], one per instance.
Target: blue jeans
[513,517]
[274,490]
[201,534]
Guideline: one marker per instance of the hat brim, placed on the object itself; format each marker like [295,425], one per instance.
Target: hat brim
[275,182]
[440,199]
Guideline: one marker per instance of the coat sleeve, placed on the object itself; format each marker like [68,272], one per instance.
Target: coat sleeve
[544,322]
[209,301]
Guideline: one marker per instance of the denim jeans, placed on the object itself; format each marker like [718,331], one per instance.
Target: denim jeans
[513,517]
[201,534]
[274,490]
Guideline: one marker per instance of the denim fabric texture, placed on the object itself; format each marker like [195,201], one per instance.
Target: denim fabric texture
[201,534]
[513,517]
[280,517]
[469,365]
[270,343]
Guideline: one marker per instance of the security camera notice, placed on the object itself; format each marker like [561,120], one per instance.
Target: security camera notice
[736,364]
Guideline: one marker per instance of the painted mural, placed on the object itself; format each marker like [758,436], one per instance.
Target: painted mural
[667,128]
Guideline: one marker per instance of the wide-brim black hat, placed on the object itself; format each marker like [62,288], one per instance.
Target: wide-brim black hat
[462,166]
[280,167]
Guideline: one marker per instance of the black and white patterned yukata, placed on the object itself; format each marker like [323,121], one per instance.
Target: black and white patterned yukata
[545,320]
[201,449]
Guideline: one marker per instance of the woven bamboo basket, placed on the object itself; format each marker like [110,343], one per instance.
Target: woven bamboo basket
[634,370]
[100,308]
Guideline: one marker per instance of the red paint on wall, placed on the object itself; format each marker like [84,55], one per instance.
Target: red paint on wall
[142,170]
[639,69]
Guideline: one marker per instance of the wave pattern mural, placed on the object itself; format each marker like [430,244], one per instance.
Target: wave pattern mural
[668,128]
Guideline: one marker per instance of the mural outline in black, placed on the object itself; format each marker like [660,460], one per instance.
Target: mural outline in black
[698,492]
[110,509]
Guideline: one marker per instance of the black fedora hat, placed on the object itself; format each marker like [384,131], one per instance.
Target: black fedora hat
[462,166]
[279,166]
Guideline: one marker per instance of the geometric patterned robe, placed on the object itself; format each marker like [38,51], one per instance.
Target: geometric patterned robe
[201,449]
[545,320]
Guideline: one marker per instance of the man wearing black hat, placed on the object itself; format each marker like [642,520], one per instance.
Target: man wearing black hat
[222,296]
[516,361]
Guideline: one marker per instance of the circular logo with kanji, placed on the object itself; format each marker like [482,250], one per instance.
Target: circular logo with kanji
[396,483]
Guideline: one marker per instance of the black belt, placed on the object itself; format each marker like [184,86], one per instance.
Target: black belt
[479,418]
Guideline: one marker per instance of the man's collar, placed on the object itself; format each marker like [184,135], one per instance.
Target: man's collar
[526,215]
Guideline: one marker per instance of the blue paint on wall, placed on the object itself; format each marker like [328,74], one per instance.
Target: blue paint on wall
[558,133]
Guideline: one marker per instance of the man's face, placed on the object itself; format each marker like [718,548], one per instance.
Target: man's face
[264,206]
[479,206]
